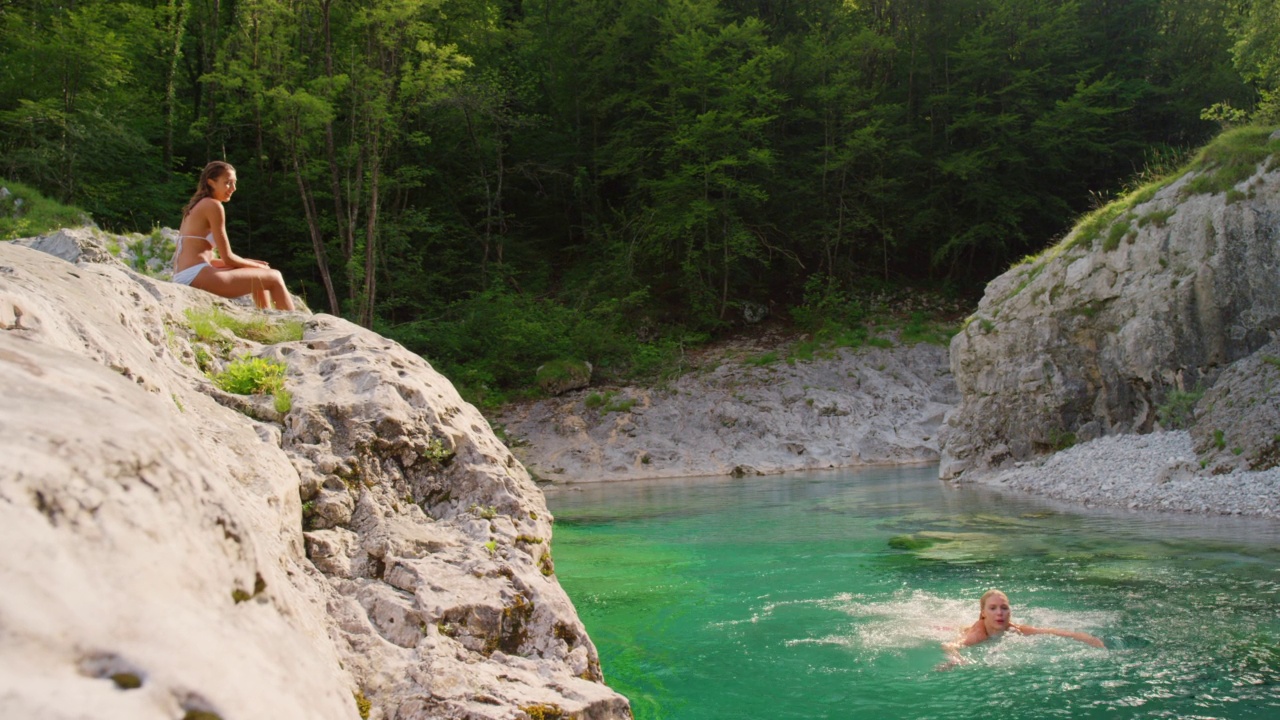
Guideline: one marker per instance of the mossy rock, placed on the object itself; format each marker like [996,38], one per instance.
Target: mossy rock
[910,542]
[952,547]
[561,376]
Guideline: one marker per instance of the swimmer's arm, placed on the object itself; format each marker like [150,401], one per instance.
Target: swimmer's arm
[952,648]
[952,651]
[1082,637]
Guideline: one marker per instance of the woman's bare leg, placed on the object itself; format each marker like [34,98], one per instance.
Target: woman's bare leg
[235,282]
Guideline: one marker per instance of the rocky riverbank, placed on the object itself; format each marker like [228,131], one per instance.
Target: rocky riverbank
[1157,471]
[744,409]
[888,422]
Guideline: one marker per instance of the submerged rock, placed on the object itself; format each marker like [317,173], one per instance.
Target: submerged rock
[950,547]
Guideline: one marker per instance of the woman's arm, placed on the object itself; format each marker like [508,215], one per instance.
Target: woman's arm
[217,216]
[971,635]
[952,651]
[1082,637]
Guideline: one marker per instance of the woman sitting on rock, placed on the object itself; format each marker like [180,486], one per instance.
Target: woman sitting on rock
[204,229]
[994,618]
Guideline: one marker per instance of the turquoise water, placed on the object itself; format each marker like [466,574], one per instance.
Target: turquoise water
[826,596]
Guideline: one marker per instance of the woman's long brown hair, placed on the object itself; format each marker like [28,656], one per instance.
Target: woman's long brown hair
[212,171]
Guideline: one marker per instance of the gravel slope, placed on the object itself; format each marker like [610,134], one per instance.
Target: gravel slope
[1157,471]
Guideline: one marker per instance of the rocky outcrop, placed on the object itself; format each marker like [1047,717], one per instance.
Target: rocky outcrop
[1238,420]
[1093,337]
[745,416]
[374,551]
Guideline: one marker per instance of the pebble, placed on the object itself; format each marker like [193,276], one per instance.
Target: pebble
[1087,473]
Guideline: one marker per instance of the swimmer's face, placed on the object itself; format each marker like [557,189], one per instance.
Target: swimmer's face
[996,613]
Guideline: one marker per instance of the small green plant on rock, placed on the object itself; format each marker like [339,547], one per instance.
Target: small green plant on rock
[1157,217]
[256,376]
[436,451]
[282,401]
[767,358]
[363,706]
[251,376]
[543,712]
[607,403]
[484,512]
[1178,410]
[1061,439]
[204,360]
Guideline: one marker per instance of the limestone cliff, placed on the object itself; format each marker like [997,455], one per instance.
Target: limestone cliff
[374,551]
[1162,293]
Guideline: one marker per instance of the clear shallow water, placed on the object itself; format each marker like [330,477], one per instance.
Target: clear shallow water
[784,597]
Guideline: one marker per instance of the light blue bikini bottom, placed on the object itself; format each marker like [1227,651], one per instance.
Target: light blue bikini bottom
[188,276]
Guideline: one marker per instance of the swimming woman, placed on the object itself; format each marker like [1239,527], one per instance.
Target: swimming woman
[994,618]
[204,229]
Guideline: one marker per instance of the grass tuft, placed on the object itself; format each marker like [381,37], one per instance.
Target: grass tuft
[1230,159]
[206,323]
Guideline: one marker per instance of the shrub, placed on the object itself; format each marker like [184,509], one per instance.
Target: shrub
[491,343]
[1177,412]
[24,212]
[825,304]
[256,376]
[282,400]
[1061,440]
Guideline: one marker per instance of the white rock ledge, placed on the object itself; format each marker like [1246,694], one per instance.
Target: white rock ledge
[153,559]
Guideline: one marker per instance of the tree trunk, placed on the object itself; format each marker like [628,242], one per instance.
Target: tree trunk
[317,239]
[370,247]
[345,230]
[177,23]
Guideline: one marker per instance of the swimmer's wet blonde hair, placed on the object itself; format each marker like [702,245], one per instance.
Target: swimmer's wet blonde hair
[982,603]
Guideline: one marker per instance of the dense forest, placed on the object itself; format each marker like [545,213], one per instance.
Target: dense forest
[498,183]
